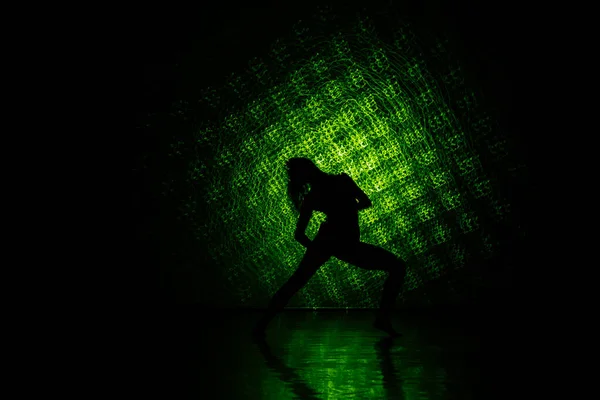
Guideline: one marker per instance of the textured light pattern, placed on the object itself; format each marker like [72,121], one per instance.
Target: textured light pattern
[351,103]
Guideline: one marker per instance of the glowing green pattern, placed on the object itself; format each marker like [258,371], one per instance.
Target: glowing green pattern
[352,103]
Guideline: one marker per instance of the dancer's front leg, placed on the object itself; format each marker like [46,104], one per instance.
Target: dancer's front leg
[368,256]
[391,288]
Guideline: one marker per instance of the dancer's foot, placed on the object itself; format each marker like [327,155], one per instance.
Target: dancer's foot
[386,326]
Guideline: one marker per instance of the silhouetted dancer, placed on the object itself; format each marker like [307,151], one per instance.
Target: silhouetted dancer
[340,199]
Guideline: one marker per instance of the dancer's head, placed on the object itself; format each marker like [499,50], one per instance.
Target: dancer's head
[302,172]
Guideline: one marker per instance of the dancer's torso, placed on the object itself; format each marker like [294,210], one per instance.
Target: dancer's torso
[336,199]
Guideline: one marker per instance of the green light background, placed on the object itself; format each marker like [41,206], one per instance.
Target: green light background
[352,103]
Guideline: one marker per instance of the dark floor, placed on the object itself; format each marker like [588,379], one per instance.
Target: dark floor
[333,355]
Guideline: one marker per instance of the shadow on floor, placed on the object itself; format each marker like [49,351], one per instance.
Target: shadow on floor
[331,355]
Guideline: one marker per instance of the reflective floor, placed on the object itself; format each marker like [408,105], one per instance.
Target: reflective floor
[333,355]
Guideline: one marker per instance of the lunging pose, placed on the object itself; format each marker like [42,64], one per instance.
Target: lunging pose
[340,199]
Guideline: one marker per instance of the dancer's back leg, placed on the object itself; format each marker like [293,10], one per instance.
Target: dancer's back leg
[316,255]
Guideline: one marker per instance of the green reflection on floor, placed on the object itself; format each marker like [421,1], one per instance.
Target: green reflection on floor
[337,358]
